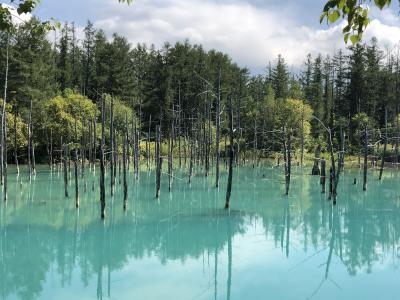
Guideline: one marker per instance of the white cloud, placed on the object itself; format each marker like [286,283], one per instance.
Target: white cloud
[251,35]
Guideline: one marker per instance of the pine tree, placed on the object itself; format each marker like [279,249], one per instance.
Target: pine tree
[88,60]
[280,79]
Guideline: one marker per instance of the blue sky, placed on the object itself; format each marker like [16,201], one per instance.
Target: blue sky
[253,32]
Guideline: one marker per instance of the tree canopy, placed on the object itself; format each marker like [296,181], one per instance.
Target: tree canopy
[356,14]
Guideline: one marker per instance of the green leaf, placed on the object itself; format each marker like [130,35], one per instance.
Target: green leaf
[355,38]
[330,4]
[334,16]
[346,37]
[322,17]
[381,3]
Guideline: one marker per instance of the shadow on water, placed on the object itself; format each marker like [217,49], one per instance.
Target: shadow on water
[43,236]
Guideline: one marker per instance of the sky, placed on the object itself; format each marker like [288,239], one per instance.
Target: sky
[252,32]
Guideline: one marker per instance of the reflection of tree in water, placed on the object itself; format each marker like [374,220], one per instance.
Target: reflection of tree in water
[98,248]
[359,230]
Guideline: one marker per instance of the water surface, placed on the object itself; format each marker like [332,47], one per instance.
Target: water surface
[185,246]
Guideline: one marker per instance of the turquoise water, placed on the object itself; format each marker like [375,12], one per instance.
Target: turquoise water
[185,246]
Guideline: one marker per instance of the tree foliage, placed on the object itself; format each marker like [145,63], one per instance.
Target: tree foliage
[356,14]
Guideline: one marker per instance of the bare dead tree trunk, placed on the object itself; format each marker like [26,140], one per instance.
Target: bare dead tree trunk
[170,157]
[207,137]
[331,182]
[159,161]
[365,158]
[83,150]
[29,146]
[137,142]
[148,144]
[191,162]
[15,139]
[76,178]
[94,144]
[124,164]
[51,151]
[4,127]
[217,135]
[185,149]
[302,136]
[64,159]
[179,127]
[287,157]
[315,169]
[384,147]
[90,150]
[255,143]
[397,137]
[76,169]
[33,163]
[342,152]
[333,177]
[231,156]
[112,177]
[102,167]
[323,175]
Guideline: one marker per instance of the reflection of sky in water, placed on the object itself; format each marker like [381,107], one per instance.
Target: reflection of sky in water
[185,246]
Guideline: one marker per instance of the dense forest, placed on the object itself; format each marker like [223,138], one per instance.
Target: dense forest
[52,84]
[107,100]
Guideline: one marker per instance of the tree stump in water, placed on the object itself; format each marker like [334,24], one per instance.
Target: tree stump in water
[315,169]
[323,175]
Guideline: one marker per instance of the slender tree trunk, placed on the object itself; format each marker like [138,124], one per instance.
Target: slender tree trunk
[51,151]
[217,135]
[31,148]
[332,181]
[384,147]
[159,162]
[64,159]
[323,175]
[343,150]
[76,159]
[191,162]
[90,151]
[4,127]
[76,178]
[102,167]
[112,178]
[315,169]
[170,158]
[83,150]
[397,138]
[5,151]
[302,136]
[365,158]
[15,140]
[94,144]
[124,164]
[287,157]
[148,143]
[255,143]
[179,127]
[136,153]
[231,157]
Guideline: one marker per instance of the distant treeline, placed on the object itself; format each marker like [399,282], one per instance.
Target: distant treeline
[178,87]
